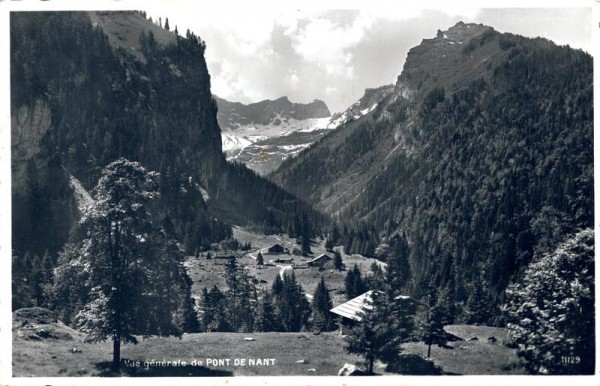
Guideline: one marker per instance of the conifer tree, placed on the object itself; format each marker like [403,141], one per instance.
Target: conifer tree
[321,304]
[167,24]
[478,303]
[207,311]
[221,321]
[337,260]
[21,288]
[133,270]
[277,286]
[247,303]
[375,280]
[259,259]
[328,244]
[240,297]
[372,337]
[335,234]
[233,282]
[354,283]
[69,292]
[447,304]
[266,318]
[293,308]
[186,317]
[398,269]
[432,326]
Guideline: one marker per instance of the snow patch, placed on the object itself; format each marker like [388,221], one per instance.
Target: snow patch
[368,110]
[231,142]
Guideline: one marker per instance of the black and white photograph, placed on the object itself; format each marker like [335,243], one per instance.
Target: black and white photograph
[314,192]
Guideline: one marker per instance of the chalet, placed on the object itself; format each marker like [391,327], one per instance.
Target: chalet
[319,261]
[350,313]
[274,249]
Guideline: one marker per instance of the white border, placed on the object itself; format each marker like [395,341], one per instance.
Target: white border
[247,6]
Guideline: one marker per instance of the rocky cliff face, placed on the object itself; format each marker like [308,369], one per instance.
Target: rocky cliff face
[233,115]
[89,88]
[43,205]
[366,104]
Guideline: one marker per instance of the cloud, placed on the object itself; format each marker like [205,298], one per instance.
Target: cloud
[327,44]
[256,52]
[292,81]
[230,83]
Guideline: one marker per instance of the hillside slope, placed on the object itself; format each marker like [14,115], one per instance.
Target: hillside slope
[481,157]
[88,88]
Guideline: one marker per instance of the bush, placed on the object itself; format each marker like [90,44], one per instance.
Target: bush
[551,311]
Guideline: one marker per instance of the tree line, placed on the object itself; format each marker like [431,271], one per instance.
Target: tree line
[243,307]
[498,170]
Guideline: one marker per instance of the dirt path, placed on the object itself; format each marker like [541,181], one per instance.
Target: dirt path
[283,269]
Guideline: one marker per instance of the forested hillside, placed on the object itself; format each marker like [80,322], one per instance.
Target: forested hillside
[89,88]
[481,158]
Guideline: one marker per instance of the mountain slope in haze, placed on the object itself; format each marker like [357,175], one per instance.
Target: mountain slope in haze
[90,87]
[480,158]
[261,146]
[367,103]
[261,135]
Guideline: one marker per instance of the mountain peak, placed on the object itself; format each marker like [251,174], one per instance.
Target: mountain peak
[463,31]
[232,115]
[461,52]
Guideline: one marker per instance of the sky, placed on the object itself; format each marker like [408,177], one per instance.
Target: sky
[333,55]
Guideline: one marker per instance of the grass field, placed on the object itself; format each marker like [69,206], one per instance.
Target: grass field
[473,356]
[279,354]
[65,354]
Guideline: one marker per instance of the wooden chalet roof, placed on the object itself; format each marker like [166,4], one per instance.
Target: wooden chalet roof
[320,257]
[353,307]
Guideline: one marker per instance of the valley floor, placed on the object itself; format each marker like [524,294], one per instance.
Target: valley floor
[50,348]
[221,354]
[205,273]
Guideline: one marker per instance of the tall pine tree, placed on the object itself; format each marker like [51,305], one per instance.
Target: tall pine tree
[133,271]
[372,337]
[321,304]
